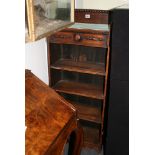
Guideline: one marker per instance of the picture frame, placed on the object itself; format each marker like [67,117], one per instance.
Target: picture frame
[45,17]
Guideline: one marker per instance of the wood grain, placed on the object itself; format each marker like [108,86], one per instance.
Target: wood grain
[49,118]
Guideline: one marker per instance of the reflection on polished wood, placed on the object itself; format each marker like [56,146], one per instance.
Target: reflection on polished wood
[50,120]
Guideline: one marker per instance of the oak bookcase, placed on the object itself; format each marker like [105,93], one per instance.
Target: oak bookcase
[78,60]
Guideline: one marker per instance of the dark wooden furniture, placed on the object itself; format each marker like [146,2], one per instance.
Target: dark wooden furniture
[78,59]
[50,120]
[117,141]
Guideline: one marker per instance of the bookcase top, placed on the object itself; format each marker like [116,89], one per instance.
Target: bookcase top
[102,27]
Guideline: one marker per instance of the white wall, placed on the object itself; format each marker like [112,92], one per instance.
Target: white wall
[36,59]
[99,4]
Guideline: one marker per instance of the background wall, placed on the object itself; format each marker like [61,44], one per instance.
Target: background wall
[36,59]
[99,4]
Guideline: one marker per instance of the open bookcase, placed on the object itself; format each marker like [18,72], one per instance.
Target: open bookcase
[78,59]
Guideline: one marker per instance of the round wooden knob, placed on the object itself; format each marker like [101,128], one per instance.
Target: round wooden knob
[77,37]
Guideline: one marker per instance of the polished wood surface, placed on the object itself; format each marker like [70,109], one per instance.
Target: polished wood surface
[49,119]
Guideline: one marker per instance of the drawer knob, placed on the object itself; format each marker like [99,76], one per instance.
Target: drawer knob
[77,37]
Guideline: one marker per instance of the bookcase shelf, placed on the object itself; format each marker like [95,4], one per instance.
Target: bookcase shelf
[82,67]
[91,135]
[78,88]
[88,113]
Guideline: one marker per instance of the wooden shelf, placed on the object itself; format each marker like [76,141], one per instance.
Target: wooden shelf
[82,89]
[91,137]
[82,67]
[88,113]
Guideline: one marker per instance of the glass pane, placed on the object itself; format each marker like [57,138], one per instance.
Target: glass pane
[52,9]
[51,15]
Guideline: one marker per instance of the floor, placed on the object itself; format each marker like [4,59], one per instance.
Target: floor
[85,151]
[91,152]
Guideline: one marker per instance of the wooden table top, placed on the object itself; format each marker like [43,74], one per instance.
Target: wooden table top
[47,114]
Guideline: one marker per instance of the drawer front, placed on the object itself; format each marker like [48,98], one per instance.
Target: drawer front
[95,40]
[62,37]
[85,39]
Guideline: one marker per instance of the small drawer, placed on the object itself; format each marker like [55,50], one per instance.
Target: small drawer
[78,38]
[94,40]
[62,37]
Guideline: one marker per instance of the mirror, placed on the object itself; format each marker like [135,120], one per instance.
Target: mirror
[44,17]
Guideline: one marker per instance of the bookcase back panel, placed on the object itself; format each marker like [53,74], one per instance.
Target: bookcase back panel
[77,77]
[78,53]
[83,100]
